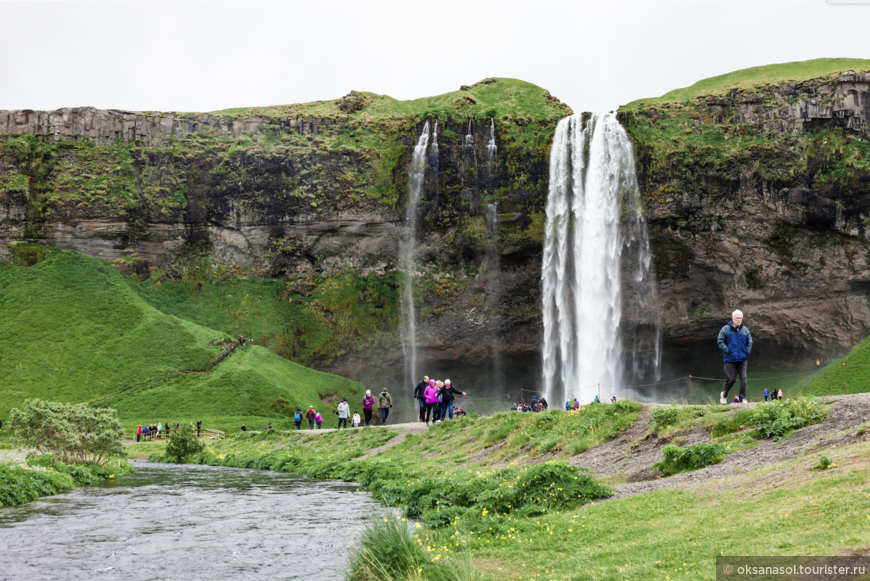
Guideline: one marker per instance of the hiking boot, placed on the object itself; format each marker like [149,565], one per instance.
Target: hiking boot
[722,399]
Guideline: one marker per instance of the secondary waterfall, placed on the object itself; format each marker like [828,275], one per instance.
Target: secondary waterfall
[493,289]
[593,212]
[408,252]
[491,148]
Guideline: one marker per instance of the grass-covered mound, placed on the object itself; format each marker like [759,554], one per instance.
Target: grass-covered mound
[830,381]
[488,98]
[73,330]
[763,75]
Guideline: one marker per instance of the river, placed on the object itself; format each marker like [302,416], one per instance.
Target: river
[186,522]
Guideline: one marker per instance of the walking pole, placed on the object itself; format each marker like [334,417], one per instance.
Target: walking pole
[843,366]
[690,391]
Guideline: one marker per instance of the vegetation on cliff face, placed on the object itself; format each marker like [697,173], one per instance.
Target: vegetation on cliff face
[73,330]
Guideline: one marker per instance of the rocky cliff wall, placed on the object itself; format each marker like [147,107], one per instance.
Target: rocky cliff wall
[756,200]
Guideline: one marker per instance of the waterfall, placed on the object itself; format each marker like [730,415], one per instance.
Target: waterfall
[469,137]
[592,178]
[491,148]
[493,289]
[433,151]
[407,255]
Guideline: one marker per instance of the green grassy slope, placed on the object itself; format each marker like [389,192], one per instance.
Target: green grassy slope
[763,75]
[856,371]
[73,330]
[309,320]
[490,97]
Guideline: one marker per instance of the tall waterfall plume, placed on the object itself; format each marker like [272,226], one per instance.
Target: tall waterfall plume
[593,213]
[408,253]
[493,289]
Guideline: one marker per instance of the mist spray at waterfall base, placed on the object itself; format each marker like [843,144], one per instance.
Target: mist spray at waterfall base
[594,217]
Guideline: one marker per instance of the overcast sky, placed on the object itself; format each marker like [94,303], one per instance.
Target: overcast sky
[204,56]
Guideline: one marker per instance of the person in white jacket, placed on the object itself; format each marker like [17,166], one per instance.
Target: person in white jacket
[356,420]
[343,413]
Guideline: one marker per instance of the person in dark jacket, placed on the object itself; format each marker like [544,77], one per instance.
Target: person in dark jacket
[198,427]
[735,341]
[418,395]
[310,415]
[447,393]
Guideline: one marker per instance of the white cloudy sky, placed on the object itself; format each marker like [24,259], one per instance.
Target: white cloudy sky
[203,56]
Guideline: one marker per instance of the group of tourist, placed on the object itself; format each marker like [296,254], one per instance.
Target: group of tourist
[436,399]
[154,431]
[385,403]
[536,405]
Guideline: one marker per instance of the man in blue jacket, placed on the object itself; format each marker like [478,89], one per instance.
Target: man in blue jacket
[735,341]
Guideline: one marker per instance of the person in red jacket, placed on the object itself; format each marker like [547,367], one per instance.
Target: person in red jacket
[310,415]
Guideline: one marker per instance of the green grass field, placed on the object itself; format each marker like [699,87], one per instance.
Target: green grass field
[757,76]
[73,330]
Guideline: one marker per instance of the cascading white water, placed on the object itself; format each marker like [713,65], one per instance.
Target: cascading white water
[491,148]
[469,137]
[592,177]
[408,252]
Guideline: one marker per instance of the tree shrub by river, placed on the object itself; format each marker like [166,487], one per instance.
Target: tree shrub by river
[43,477]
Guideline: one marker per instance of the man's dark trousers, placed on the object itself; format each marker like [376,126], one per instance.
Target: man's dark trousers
[732,372]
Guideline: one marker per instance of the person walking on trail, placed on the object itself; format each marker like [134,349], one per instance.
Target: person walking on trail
[241,341]
[447,394]
[139,432]
[356,420]
[766,394]
[576,404]
[385,402]
[310,415]
[437,409]
[779,394]
[431,397]
[343,413]
[735,341]
[198,427]
[298,418]
[418,395]
[317,418]
[368,403]
[159,430]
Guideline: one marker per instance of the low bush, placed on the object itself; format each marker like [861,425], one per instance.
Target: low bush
[664,417]
[44,477]
[183,443]
[687,458]
[773,420]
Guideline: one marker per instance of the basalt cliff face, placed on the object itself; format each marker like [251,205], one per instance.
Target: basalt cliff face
[756,199]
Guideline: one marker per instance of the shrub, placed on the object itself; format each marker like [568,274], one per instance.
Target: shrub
[183,443]
[689,458]
[76,434]
[774,419]
[664,417]
[824,464]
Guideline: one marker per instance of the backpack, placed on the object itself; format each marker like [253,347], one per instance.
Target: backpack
[298,417]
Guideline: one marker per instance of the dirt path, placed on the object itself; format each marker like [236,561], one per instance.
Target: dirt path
[629,457]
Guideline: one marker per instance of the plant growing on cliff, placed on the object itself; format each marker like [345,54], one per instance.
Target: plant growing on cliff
[74,434]
[183,443]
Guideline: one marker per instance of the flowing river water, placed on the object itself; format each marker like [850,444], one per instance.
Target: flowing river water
[186,522]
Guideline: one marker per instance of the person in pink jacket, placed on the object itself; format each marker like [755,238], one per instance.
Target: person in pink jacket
[368,403]
[431,396]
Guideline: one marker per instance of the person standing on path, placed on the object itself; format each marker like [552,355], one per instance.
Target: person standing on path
[735,341]
[368,403]
[310,415]
[139,432]
[418,395]
[356,420]
[298,418]
[343,413]
[198,427]
[447,399]
[431,396]
[317,418]
[779,394]
[766,394]
[385,402]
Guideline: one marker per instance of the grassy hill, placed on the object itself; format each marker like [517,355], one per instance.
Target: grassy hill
[73,330]
[491,97]
[756,76]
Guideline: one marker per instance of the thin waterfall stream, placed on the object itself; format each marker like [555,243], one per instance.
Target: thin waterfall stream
[408,254]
